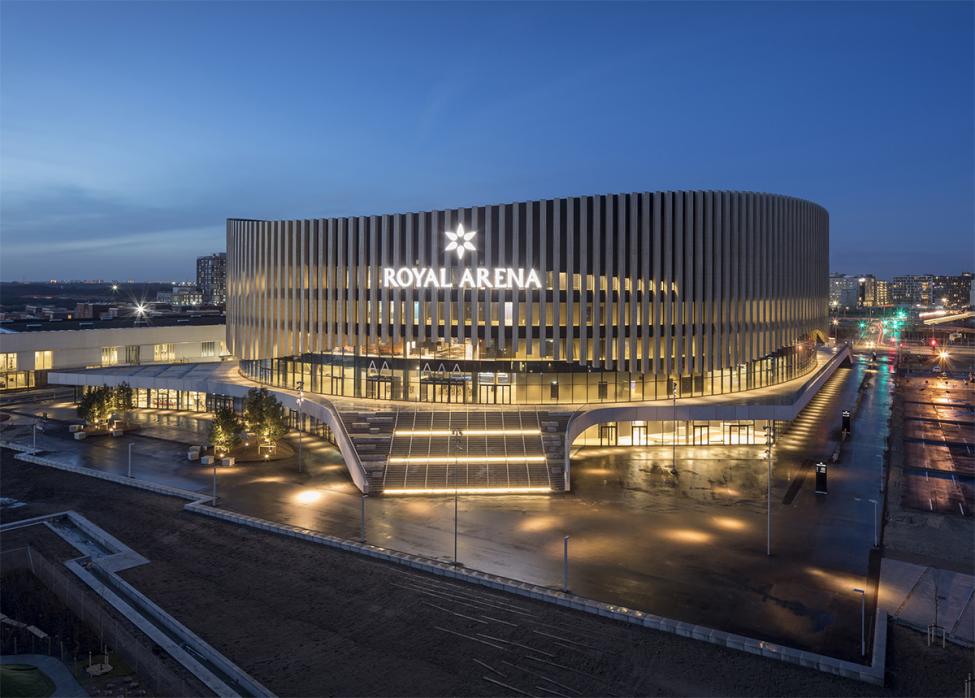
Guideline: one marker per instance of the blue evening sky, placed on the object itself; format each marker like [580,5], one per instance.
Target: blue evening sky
[131,131]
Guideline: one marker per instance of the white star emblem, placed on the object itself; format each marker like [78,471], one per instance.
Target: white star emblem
[460,240]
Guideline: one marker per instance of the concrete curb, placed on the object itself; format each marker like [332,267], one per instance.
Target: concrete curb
[874,673]
[111,477]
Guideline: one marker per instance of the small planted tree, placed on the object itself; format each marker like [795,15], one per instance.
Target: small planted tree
[96,405]
[225,431]
[122,400]
[264,416]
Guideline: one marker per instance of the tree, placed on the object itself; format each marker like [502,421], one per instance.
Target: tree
[96,405]
[264,416]
[225,431]
[122,398]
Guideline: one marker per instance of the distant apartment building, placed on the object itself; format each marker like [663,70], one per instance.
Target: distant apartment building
[883,293]
[864,291]
[211,278]
[952,292]
[913,289]
[181,297]
[843,291]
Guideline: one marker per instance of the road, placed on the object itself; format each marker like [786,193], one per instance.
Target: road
[690,546]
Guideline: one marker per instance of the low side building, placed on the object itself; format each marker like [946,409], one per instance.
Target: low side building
[28,350]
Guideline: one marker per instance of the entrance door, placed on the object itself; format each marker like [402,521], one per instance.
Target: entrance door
[338,385]
[700,436]
[739,434]
[379,388]
[456,392]
[486,394]
[639,434]
[491,394]
[607,434]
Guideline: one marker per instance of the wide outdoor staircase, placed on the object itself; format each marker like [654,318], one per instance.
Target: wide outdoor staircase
[426,450]
[371,433]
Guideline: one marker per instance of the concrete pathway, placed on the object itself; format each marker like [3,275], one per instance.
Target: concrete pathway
[65,684]
[908,591]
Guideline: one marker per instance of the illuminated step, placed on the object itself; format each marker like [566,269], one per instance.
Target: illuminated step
[467,432]
[469,490]
[463,460]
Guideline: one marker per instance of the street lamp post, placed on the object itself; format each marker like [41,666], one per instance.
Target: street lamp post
[214,503]
[35,427]
[863,621]
[362,519]
[674,465]
[876,525]
[565,564]
[768,458]
[455,527]
[301,399]
[131,444]
[883,484]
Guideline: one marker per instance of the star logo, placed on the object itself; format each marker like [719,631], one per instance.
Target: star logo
[460,241]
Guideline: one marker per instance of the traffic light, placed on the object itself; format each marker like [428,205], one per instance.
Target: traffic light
[934,342]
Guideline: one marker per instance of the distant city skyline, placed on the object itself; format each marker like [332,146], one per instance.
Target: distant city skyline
[131,132]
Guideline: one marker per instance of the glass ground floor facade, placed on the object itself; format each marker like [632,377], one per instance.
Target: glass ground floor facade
[194,401]
[682,432]
[438,378]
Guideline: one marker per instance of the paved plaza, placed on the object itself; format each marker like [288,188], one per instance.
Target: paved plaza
[689,545]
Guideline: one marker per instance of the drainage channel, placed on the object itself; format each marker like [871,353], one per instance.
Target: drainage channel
[102,557]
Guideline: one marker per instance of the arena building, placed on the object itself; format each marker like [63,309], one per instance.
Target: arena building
[471,348]
[611,298]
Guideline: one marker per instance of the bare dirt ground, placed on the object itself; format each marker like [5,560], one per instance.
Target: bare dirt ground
[306,620]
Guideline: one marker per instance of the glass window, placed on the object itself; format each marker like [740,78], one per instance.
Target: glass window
[209,349]
[8,362]
[164,352]
[132,354]
[109,356]
[43,360]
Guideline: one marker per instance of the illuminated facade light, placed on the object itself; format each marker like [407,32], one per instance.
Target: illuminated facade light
[467,432]
[469,490]
[465,460]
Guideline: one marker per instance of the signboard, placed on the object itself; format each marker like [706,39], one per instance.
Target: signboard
[460,242]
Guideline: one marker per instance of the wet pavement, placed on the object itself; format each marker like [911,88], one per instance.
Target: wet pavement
[690,546]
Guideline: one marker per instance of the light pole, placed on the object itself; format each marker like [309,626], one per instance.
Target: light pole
[565,564]
[301,399]
[768,458]
[131,444]
[876,525]
[214,482]
[455,527]
[673,467]
[880,457]
[362,520]
[863,621]
[35,427]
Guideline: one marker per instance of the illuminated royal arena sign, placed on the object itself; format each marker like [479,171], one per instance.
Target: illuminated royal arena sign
[460,242]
